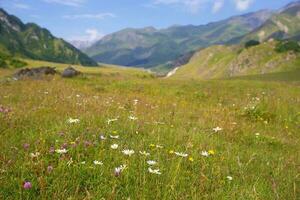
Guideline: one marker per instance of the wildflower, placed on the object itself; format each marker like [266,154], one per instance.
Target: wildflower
[257,135]
[119,170]
[229,178]
[154,171]
[128,152]
[191,159]
[73,121]
[83,163]
[109,121]
[51,150]
[133,118]
[217,129]
[144,153]
[49,169]
[96,162]
[151,162]
[204,153]
[102,137]
[26,146]
[181,154]
[211,152]
[114,136]
[114,146]
[35,155]
[135,102]
[159,146]
[61,151]
[152,145]
[171,152]
[27,185]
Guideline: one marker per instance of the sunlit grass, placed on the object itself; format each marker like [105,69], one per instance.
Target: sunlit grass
[254,154]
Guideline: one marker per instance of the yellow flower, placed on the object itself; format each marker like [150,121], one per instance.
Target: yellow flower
[171,152]
[211,152]
[72,143]
[115,132]
[152,145]
[191,159]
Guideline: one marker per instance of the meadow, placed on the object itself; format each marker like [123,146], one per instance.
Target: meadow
[124,134]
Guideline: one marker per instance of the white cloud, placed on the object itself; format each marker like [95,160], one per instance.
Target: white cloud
[91,35]
[192,5]
[74,3]
[21,6]
[217,5]
[242,5]
[98,16]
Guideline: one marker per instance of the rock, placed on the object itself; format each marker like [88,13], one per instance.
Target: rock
[70,72]
[34,72]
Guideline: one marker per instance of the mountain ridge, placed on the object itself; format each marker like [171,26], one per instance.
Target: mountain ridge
[32,41]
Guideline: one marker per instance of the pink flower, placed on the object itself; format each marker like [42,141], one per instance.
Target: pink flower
[49,169]
[52,150]
[27,185]
[26,146]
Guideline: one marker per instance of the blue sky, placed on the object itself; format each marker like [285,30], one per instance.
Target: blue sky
[91,19]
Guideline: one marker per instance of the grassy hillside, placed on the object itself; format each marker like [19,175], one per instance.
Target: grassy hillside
[255,155]
[229,61]
[31,41]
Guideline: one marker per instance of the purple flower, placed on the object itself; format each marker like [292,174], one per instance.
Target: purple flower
[26,146]
[65,146]
[49,169]
[52,150]
[27,185]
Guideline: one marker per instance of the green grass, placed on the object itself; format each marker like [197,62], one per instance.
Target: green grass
[178,114]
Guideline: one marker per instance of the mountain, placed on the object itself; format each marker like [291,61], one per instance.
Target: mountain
[149,47]
[230,61]
[31,41]
[282,25]
[81,44]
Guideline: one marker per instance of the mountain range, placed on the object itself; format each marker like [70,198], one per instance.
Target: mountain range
[32,41]
[160,49]
[149,47]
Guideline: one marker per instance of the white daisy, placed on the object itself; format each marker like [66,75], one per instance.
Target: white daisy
[61,151]
[128,152]
[217,129]
[109,121]
[204,153]
[114,136]
[133,118]
[151,162]
[114,146]
[35,155]
[96,162]
[181,154]
[102,137]
[118,170]
[229,178]
[144,153]
[154,171]
[73,121]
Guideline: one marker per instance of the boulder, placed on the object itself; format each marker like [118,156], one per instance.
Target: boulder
[34,72]
[70,72]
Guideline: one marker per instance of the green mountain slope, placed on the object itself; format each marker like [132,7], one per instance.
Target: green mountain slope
[282,25]
[31,41]
[230,61]
[149,47]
